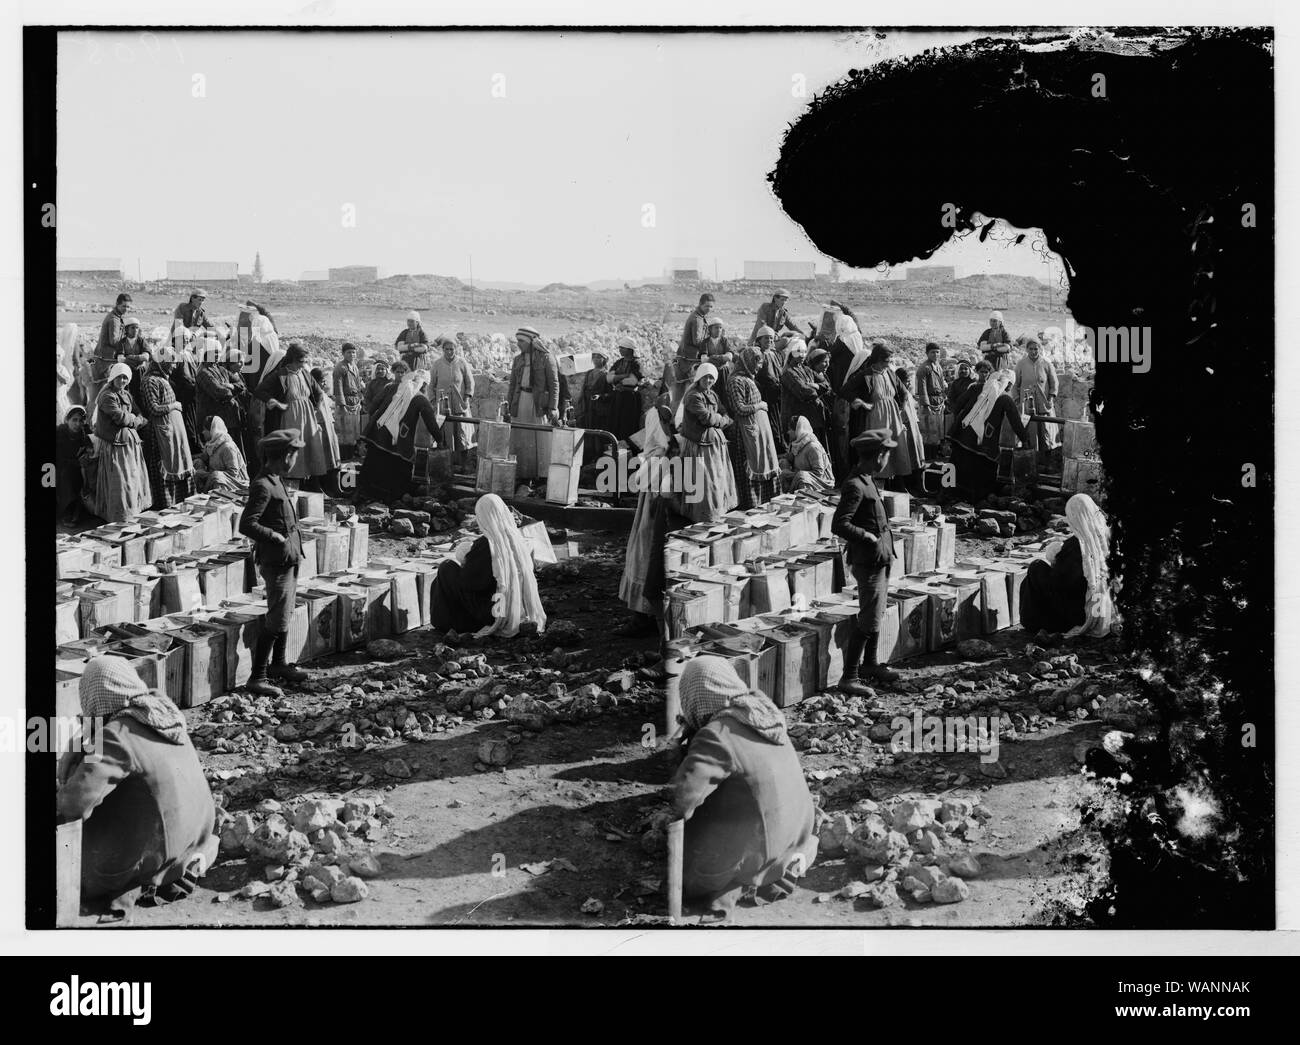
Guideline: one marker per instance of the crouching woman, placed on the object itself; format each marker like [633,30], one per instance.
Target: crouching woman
[489,588]
[740,789]
[138,785]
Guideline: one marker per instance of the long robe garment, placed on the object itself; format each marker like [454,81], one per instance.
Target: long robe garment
[455,380]
[296,388]
[221,393]
[885,411]
[461,599]
[122,489]
[167,451]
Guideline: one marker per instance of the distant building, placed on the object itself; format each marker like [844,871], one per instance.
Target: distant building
[684,269]
[354,274]
[203,273]
[90,268]
[314,276]
[781,271]
[932,273]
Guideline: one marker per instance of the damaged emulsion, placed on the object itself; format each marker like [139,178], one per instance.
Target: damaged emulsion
[1157,192]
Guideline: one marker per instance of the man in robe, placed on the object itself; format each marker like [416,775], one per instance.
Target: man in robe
[931,388]
[690,347]
[347,399]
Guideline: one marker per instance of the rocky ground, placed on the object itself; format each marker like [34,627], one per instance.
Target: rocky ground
[434,780]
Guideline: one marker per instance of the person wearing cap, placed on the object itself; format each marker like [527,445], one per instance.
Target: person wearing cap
[1036,378]
[223,394]
[412,341]
[291,396]
[111,331]
[451,390]
[931,397]
[592,407]
[625,379]
[270,521]
[73,455]
[193,313]
[862,522]
[773,314]
[347,399]
[690,349]
[167,451]
[139,790]
[122,489]
[533,397]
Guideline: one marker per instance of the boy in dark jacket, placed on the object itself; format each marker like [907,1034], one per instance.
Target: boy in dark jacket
[271,522]
[863,523]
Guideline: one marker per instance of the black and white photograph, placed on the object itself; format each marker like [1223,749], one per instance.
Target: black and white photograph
[631,479]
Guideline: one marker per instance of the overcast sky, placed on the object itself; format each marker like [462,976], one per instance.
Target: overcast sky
[549,182]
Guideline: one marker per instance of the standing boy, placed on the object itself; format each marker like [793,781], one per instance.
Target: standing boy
[271,522]
[861,520]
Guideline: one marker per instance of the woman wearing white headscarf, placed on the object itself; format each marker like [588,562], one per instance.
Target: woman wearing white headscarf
[977,428]
[492,590]
[848,356]
[741,790]
[122,489]
[995,334]
[701,425]
[147,809]
[389,464]
[805,466]
[1070,590]
[221,465]
[751,442]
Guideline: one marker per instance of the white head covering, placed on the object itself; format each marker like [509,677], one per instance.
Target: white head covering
[653,439]
[413,315]
[996,315]
[846,330]
[397,407]
[512,566]
[1089,525]
[703,370]
[994,385]
[119,370]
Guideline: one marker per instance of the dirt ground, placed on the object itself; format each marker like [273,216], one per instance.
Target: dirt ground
[468,846]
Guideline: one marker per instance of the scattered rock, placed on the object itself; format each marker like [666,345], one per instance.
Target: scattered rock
[964,866]
[349,890]
[385,649]
[397,767]
[950,890]
[495,752]
[365,866]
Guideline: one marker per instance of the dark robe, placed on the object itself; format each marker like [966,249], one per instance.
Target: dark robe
[462,592]
[185,383]
[1054,597]
[69,451]
[389,463]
